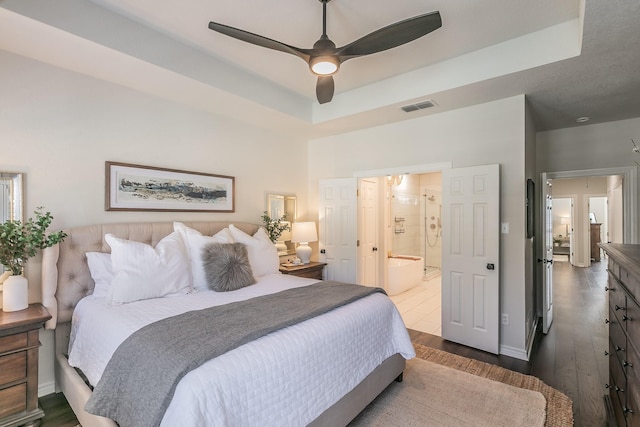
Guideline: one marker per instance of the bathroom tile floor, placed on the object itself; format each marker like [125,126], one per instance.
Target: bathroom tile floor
[420,306]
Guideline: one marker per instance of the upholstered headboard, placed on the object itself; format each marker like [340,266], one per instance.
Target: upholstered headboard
[65,273]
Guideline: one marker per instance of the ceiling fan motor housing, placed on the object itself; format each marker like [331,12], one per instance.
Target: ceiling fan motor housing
[325,61]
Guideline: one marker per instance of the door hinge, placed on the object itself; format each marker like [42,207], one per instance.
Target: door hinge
[358,243]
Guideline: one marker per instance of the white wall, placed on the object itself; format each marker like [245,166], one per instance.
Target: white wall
[597,146]
[483,134]
[615,208]
[59,128]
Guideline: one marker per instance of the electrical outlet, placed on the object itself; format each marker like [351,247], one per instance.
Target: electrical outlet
[505,319]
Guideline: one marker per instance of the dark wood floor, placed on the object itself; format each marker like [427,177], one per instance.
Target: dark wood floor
[570,357]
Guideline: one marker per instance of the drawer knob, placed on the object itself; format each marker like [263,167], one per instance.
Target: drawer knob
[606,321]
[607,386]
[618,348]
[625,364]
[625,318]
[627,410]
[621,390]
[606,353]
[617,307]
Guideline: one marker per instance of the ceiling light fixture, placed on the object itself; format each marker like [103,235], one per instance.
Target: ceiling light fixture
[583,119]
[324,65]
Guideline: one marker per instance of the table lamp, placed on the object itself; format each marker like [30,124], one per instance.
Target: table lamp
[303,233]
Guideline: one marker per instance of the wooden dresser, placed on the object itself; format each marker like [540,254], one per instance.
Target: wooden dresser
[595,241]
[19,343]
[623,287]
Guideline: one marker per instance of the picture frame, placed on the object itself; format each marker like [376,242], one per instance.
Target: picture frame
[130,187]
[531,225]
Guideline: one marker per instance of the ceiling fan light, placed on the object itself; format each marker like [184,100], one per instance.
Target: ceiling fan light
[324,65]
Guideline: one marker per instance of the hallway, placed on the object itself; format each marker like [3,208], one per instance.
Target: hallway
[571,356]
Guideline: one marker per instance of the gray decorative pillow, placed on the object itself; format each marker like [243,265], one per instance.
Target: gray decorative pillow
[226,266]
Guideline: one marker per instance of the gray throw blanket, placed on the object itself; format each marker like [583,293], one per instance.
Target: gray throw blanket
[140,379]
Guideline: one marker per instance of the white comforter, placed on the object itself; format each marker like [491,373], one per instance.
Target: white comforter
[287,378]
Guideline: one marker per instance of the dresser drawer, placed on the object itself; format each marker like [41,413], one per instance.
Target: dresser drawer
[13,367]
[617,406]
[630,282]
[633,357]
[13,400]
[13,342]
[632,324]
[614,268]
[617,297]
[632,406]
[617,338]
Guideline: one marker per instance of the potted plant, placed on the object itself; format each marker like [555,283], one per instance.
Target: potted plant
[275,227]
[20,241]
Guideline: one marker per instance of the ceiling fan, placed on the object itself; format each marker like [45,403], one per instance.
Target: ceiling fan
[324,58]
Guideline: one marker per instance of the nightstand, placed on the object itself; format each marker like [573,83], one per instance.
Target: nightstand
[19,343]
[313,270]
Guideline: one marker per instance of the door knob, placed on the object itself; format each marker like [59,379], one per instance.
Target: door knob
[491,267]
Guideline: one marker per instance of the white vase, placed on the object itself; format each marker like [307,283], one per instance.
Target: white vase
[15,293]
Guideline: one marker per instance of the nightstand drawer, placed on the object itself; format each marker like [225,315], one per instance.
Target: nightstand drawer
[13,400]
[316,274]
[13,367]
[13,342]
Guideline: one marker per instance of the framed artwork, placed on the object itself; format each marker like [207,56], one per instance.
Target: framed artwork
[531,225]
[146,188]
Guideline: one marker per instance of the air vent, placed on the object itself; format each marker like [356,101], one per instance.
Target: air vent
[419,106]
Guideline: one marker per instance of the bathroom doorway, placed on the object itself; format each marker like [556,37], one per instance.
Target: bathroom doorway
[414,261]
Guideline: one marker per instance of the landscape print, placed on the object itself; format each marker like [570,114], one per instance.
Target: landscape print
[135,187]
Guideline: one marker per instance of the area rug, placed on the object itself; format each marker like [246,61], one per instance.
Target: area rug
[443,389]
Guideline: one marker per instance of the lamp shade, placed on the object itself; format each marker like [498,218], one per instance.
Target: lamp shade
[304,232]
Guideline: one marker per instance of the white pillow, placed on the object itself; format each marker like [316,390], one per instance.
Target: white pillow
[142,271]
[101,272]
[263,255]
[195,242]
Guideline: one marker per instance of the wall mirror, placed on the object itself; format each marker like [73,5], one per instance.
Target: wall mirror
[11,204]
[279,205]
[10,196]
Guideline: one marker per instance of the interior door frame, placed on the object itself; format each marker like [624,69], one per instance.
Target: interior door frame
[384,245]
[630,209]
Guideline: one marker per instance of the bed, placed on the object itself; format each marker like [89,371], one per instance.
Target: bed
[322,371]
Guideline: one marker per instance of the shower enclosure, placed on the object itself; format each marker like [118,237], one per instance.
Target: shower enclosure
[416,226]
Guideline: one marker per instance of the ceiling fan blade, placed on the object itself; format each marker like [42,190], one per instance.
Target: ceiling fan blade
[324,89]
[392,36]
[252,38]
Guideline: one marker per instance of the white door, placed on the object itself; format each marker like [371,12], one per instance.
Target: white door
[368,232]
[337,228]
[546,254]
[470,256]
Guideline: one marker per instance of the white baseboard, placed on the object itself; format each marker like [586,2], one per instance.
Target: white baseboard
[46,388]
[518,353]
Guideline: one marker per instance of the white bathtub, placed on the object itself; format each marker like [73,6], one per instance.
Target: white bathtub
[405,272]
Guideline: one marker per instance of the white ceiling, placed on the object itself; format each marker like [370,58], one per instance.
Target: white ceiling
[571,58]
